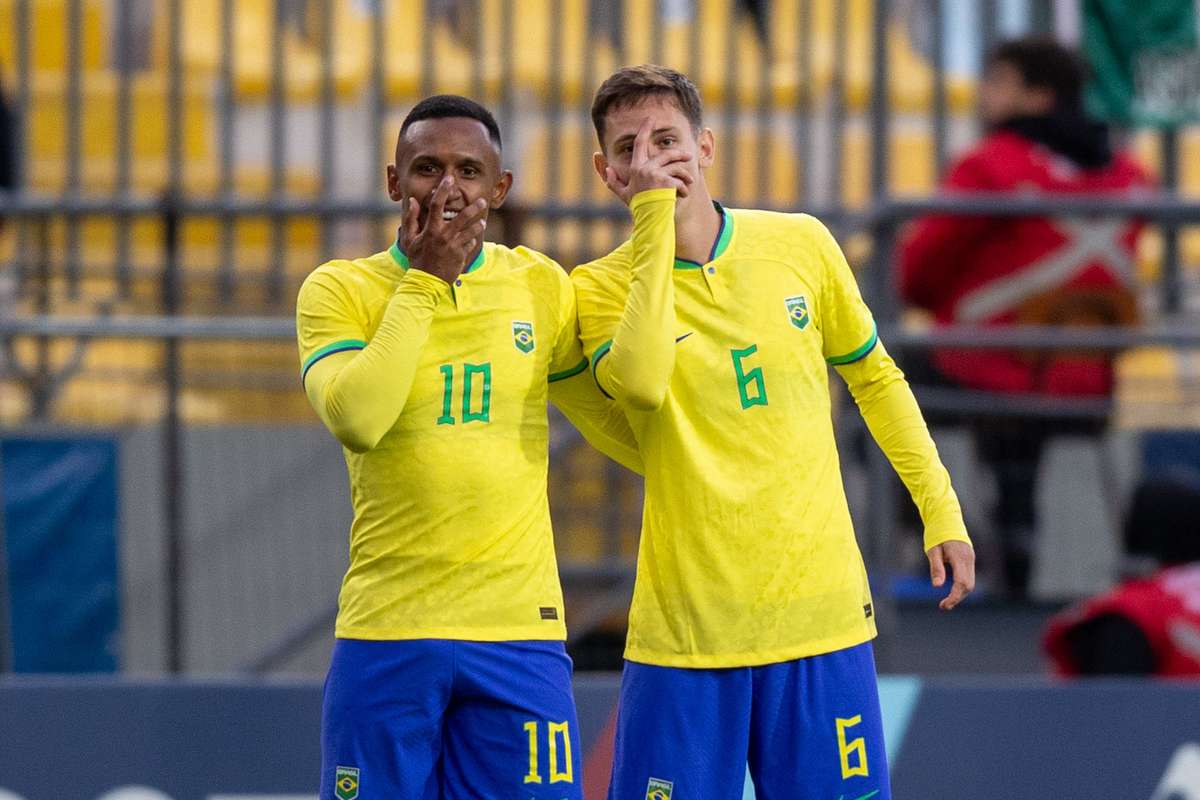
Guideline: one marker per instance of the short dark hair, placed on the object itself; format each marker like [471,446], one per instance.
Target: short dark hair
[630,85]
[1046,64]
[443,106]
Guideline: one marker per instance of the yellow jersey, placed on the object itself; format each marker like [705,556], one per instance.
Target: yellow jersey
[747,554]
[439,395]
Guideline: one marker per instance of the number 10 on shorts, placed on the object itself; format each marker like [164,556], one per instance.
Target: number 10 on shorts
[555,732]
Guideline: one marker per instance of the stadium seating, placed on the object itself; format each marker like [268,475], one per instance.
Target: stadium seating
[48,37]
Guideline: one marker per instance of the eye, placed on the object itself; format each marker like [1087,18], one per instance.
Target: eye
[470,172]
[667,141]
[427,169]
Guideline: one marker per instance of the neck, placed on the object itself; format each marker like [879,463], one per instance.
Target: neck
[697,223]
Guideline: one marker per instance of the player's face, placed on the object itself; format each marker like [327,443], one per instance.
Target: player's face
[670,129]
[456,146]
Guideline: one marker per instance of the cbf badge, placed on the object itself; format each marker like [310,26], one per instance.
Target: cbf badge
[797,308]
[658,789]
[523,336]
[345,783]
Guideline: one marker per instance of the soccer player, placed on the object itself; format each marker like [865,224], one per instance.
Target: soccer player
[749,635]
[431,362]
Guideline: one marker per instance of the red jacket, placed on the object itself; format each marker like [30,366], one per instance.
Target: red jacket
[1166,607]
[998,271]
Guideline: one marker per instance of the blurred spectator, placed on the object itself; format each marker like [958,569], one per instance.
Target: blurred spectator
[1002,271]
[1146,626]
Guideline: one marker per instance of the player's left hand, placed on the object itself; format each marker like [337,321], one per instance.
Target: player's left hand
[961,558]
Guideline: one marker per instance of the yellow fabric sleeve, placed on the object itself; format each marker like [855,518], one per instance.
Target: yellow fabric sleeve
[573,391]
[359,395]
[635,367]
[890,410]
[600,420]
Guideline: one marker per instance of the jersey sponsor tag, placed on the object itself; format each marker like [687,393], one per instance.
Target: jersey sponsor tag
[523,336]
[345,783]
[548,612]
[658,789]
[797,309]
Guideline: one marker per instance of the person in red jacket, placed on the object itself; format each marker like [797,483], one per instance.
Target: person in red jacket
[1150,625]
[1003,271]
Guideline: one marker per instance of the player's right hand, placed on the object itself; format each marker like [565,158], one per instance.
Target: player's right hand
[443,246]
[667,169]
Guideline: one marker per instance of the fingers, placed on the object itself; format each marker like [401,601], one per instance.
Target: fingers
[615,185]
[437,202]
[412,219]
[961,557]
[670,156]
[680,172]
[937,569]
[641,142]
[469,216]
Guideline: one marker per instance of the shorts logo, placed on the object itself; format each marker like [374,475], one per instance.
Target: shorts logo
[345,783]
[797,309]
[658,789]
[523,336]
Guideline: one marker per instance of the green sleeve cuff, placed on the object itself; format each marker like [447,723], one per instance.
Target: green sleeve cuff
[856,355]
[568,373]
[328,350]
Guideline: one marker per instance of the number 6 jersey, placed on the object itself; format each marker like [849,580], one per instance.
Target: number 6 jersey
[439,394]
[747,553]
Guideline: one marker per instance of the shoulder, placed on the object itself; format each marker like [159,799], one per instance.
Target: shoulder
[991,161]
[611,270]
[535,264]
[339,277]
[759,225]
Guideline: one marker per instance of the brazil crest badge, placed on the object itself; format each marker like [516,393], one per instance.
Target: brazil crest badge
[797,309]
[523,336]
[345,783]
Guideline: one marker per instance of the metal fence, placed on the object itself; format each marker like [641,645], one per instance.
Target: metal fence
[185,163]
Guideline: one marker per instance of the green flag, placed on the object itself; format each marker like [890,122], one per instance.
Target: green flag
[1145,57]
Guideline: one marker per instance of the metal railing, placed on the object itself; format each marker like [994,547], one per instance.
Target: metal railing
[797,94]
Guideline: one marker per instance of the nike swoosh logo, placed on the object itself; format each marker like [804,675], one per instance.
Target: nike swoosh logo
[866,796]
[679,339]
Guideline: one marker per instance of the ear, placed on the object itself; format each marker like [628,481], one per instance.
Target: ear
[707,149]
[393,184]
[600,164]
[500,190]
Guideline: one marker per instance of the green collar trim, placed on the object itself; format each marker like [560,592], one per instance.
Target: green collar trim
[401,259]
[724,234]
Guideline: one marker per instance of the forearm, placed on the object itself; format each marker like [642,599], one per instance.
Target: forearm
[360,396]
[601,421]
[894,419]
[636,367]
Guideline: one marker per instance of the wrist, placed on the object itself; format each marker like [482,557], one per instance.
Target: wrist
[420,278]
[654,195]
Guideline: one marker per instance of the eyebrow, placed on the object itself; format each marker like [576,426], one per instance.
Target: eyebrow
[631,136]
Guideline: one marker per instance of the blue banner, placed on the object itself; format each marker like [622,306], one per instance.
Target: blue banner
[60,522]
[87,739]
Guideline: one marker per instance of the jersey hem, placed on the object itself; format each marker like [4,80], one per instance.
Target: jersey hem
[755,659]
[556,633]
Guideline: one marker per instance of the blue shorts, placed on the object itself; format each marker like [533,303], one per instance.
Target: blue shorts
[432,718]
[809,729]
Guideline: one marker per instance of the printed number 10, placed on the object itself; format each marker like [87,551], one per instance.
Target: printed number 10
[469,371]
[555,729]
